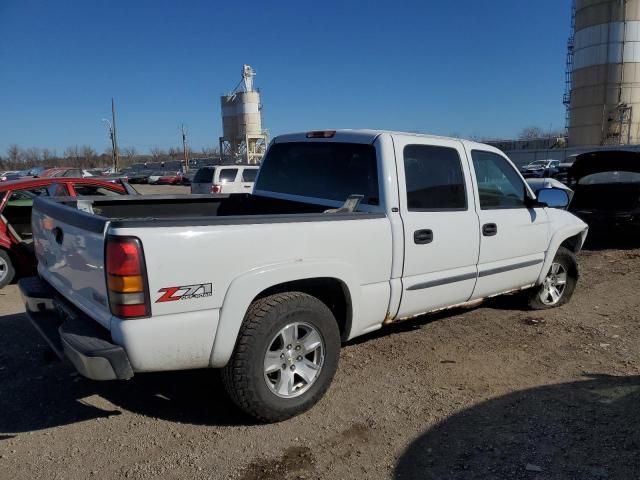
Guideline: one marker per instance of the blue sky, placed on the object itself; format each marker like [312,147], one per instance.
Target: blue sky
[471,67]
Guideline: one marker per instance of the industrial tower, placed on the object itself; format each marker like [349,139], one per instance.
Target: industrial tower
[603,79]
[243,139]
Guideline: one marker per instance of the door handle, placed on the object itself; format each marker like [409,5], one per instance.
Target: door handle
[489,229]
[422,237]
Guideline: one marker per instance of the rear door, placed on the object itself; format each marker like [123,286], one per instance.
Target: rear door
[514,237]
[441,240]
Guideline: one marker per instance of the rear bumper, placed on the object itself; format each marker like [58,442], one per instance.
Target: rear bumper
[73,335]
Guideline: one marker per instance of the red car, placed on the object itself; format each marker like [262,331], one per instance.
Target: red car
[16,201]
[165,178]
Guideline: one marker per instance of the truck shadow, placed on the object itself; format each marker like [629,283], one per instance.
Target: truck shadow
[587,429]
[38,391]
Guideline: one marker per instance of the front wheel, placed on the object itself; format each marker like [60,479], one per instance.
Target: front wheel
[558,285]
[285,357]
[7,271]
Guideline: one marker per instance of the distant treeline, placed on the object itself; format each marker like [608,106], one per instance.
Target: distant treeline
[84,156]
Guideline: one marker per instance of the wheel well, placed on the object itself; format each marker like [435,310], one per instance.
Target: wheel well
[573,243]
[330,291]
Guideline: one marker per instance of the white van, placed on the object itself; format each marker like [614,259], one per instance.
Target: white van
[224,179]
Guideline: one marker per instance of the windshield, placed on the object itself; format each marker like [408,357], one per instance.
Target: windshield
[610,177]
[322,170]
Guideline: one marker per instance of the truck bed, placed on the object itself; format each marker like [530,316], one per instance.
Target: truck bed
[92,213]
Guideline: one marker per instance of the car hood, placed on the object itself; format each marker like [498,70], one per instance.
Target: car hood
[604,161]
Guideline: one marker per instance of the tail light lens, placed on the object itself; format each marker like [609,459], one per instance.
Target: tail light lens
[127,278]
[216,188]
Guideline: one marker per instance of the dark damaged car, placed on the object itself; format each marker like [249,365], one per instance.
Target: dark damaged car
[607,190]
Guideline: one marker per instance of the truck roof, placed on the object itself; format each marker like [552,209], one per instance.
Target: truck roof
[368,136]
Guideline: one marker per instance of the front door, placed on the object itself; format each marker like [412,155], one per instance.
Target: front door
[440,223]
[513,237]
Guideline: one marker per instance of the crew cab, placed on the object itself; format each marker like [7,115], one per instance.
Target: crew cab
[345,232]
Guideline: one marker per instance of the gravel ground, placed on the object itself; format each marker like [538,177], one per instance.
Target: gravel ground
[496,392]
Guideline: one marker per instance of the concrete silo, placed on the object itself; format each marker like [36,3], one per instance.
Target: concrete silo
[604,73]
[243,138]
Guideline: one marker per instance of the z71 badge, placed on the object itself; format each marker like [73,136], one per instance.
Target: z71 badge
[185,292]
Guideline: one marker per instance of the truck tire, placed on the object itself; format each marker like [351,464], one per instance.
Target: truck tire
[7,271]
[559,284]
[285,357]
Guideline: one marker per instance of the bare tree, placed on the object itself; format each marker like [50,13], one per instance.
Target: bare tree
[531,133]
[89,156]
[31,155]
[209,152]
[157,153]
[129,153]
[72,155]
[14,154]
[48,155]
[174,152]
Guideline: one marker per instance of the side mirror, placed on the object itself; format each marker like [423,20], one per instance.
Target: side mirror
[554,197]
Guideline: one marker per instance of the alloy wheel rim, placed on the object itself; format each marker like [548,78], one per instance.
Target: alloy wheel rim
[293,360]
[4,269]
[554,285]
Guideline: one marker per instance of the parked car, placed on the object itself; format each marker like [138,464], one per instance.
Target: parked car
[4,176]
[16,200]
[136,176]
[14,175]
[165,178]
[224,179]
[187,178]
[607,190]
[63,172]
[355,230]
[540,168]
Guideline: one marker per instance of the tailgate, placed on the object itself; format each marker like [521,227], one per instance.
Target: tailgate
[69,246]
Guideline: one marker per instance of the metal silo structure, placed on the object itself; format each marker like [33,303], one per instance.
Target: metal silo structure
[243,138]
[604,73]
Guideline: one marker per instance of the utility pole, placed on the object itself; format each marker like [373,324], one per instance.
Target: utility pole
[114,137]
[185,151]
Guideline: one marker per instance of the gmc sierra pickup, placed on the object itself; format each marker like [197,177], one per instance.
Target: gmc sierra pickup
[346,231]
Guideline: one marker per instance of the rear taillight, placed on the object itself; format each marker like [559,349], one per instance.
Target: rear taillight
[126,278]
[215,188]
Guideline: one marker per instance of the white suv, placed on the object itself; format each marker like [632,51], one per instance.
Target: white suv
[227,179]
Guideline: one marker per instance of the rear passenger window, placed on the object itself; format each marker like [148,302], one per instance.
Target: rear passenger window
[249,174]
[228,175]
[434,178]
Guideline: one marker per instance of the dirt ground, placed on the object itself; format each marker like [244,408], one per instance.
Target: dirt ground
[496,392]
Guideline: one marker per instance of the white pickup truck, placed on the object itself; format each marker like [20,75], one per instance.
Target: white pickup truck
[346,231]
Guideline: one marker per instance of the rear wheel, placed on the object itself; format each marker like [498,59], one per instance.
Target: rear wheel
[559,283]
[285,357]
[7,271]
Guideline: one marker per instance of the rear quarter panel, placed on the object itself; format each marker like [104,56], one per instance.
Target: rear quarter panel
[236,262]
